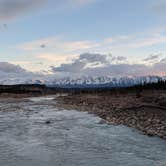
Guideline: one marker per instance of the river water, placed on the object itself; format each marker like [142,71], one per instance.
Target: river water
[71,139]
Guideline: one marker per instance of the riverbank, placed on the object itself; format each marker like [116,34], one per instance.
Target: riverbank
[145,111]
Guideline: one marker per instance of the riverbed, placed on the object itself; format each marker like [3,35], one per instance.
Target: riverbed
[71,138]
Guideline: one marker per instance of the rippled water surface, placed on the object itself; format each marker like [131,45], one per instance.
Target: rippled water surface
[71,139]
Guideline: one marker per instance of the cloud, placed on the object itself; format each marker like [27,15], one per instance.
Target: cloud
[55,58]
[59,49]
[80,66]
[11,71]
[10,68]
[119,43]
[119,70]
[152,57]
[145,39]
[14,74]
[87,57]
[163,60]
[55,44]
[159,7]
[117,59]
[43,46]
[86,64]
[10,9]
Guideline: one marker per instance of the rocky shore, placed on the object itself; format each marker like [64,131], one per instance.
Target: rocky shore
[145,112]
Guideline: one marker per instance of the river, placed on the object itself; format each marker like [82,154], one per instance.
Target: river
[70,139]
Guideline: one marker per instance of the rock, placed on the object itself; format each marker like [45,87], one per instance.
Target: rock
[48,122]
[149,134]
[149,118]
[102,121]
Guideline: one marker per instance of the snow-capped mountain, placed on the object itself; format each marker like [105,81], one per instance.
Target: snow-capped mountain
[83,82]
[104,81]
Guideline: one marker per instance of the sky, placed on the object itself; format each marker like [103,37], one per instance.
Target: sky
[87,37]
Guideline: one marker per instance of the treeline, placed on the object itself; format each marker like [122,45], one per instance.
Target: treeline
[22,88]
[42,89]
[160,85]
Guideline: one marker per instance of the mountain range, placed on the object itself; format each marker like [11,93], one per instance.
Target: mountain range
[86,81]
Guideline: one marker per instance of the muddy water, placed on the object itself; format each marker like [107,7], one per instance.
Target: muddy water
[70,139]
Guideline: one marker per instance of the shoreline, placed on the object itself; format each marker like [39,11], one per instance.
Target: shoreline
[146,113]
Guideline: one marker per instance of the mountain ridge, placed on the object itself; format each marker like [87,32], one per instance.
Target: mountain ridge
[87,81]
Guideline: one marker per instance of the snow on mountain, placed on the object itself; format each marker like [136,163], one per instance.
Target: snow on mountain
[104,81]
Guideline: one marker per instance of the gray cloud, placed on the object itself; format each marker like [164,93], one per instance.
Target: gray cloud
[152,57]
[93,58]
[119,70]
[80,64]
[163,60]
[10,9]
[118,58]
[159,6]
[14,74]
[80,67]
[74,67]
[10,68]
[43,46]
[10,71]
